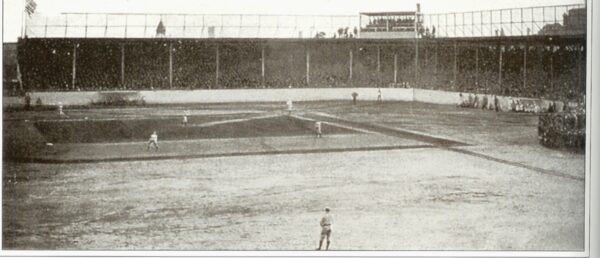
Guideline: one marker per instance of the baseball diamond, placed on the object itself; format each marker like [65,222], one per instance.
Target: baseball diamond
[398,130]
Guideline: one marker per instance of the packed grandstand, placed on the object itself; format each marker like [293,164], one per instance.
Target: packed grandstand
[534,66]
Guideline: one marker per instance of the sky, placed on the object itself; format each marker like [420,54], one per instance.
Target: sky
[12,9]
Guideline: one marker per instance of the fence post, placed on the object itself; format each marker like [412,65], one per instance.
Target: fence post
[522,22]
[532,21]
[552,67]
[416,61]
[123,65]
[525,66]
[579,50]
[86,25]
[477,66]
[46,28]
[217,67]
[378,58]
[307,66]
[511,23]
[262,63]
[74,73]
[395,67]
[105,25]
[501,48]
[350,67]
[184,22]
[259,25]
[501,24]
[481,23]
[426,54]
[435,59]
[491,26]
[170,65]
[66,24]
[455,70]
[454,24]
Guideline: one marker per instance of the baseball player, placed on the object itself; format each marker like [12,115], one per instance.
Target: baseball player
[326,222]
[184,122]
[318,129]
[290,105]
[60,109]
[153,141]
[379,95]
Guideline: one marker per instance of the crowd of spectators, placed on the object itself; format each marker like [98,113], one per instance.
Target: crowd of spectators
[47,65]
[391,24]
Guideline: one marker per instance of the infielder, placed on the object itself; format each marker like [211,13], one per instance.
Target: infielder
[290,105]
[184,122]
[318,129]
[153,141]
[326,222]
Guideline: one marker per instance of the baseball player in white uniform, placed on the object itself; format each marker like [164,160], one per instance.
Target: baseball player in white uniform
[184,122]
[290,105]
[153,141]
[318,129]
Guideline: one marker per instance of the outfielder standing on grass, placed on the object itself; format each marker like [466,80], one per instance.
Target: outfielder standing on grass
[326,222]
[153,141]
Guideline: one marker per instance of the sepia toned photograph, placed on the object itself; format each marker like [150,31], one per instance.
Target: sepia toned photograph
[308,126]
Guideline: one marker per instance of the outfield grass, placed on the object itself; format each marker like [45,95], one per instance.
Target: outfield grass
[500,191]
[414,199]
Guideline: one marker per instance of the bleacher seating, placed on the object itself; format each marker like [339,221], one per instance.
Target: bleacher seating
[47,65]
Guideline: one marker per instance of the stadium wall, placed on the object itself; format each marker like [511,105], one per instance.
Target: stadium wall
[219,96]
[505,103]
[273,95]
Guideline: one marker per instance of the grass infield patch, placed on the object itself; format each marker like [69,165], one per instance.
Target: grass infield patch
[105,131]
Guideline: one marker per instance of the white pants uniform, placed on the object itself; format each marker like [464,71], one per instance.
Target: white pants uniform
[318,129]
[153,141]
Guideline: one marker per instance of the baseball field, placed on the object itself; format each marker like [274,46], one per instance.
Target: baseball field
[253,176]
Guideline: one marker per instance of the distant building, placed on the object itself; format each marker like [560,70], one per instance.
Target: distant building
[552,29]
[574,22]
